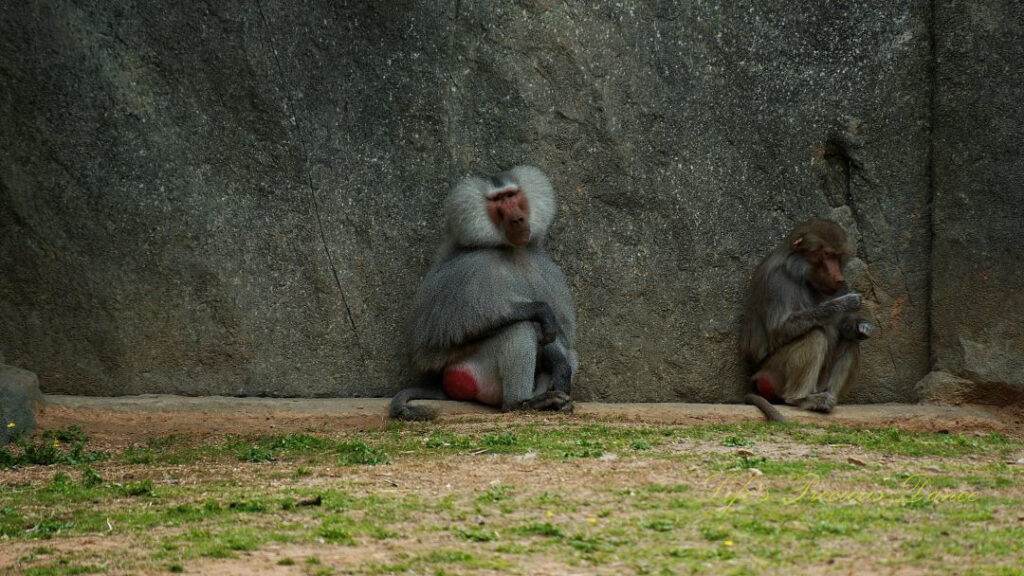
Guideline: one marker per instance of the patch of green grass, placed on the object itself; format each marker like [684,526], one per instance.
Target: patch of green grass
[221,542]
[65,568]
[49,527]
[513,548]
[497,493]
[254,505]
[665,488]
[256,453]
[547,441]
[67,446]
[550,499]
[896,441]
[140,488]
[288,447]
[499,442]
[545,529]
[299,443]
[336,530]
[584,449]
[436,562]
[736,441]
[588,543]
[356,453]
[994,571]
[449,556]
[12,522]
[91,478]
[714,533]
[137,456]
[441,440]
[476,535]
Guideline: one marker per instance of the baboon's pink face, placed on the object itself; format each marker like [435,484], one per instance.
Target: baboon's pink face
[509,211]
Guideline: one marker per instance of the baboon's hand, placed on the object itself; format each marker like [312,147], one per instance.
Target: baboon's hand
[855,328]
[548,324]
[864,330]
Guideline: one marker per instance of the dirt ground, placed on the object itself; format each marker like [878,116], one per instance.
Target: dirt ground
[131,418]
[118,422]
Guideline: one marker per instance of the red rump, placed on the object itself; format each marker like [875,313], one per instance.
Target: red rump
[459,383]
[765,387]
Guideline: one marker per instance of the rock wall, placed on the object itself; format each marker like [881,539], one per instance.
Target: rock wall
[978,277]
[240,198]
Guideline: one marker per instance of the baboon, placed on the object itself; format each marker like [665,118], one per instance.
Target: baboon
[493,319]
[800,334]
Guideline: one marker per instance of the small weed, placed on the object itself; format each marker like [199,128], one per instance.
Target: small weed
[439,439]
[91,478]
[298,443]
[49,527]
[541,529]
[62,482]
[500,440]
[65,446]
[336,531]
[736,441]
[474,535]
[497,493]
[357,453]
[586,543]
[713,534]
[449,556]
[584,449]
[164,442]
[137,456]
[256,453]
[140,488]
[253,505]
[660,524]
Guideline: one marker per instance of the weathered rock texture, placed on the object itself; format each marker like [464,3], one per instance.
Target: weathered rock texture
[19,398]
[978,257]
[239,198]
[939,387]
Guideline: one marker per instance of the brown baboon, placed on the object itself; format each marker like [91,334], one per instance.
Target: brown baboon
[800,331]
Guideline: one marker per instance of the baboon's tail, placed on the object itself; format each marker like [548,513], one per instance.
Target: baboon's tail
[770,412]
[401,409]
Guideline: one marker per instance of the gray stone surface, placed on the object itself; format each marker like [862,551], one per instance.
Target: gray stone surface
[239,199]
[944,388]
[978,276]
[19,399]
